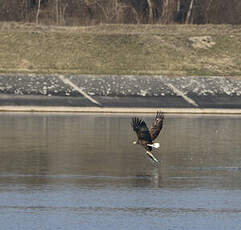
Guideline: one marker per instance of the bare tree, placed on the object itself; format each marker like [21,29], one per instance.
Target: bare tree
[86,12]
[150,14]
[189,12]
[136,15]
[169,9]
[57,11]
[38,11]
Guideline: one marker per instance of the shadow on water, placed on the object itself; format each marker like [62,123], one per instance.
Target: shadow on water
[72,164]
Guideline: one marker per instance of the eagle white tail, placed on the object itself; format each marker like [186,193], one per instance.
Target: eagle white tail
[154,145]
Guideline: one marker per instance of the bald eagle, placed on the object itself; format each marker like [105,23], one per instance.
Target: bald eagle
[146,137]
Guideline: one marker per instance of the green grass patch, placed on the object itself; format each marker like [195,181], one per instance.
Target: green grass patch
[175,50]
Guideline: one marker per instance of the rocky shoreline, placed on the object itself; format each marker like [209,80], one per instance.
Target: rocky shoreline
[123,91]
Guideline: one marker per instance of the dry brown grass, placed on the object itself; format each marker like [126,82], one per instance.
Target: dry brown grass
[121,49]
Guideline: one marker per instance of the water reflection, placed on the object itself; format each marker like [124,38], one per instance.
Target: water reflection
[100,146]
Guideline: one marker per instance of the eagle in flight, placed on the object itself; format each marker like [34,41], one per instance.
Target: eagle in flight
[146,137]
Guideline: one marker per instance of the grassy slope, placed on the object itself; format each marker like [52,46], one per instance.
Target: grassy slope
[121,49]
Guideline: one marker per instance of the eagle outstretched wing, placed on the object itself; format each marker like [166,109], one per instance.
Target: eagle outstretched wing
[139,126]
[157,125]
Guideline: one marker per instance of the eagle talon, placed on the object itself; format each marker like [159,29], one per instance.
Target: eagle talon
[152,157]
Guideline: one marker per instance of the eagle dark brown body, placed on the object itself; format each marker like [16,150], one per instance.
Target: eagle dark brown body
[146,137]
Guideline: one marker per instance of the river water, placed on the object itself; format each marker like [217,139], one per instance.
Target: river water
[81,171]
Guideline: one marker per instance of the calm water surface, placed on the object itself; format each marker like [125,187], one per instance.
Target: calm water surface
[81,171]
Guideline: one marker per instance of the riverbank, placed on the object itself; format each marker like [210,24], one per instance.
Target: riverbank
[170,50]
[60,109]
[119,93]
